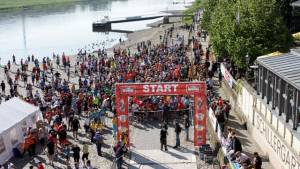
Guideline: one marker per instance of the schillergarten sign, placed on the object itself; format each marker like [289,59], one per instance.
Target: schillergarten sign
[287,157]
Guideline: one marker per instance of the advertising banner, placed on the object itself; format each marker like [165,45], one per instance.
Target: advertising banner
[136,89]
[227,76]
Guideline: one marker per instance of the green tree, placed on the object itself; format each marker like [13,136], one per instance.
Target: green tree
[238,27]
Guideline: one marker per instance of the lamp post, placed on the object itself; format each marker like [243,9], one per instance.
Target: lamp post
[255,69]
[247,63]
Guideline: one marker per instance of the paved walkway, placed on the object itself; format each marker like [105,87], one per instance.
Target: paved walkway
[146,151]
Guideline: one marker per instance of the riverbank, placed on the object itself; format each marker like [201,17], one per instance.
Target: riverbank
[14,4]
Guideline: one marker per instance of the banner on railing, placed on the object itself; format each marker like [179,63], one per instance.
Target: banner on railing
[227,76]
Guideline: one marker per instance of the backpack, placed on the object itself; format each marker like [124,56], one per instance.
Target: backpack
[179,129]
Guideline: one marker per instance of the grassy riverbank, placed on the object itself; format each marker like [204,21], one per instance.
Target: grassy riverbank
[10,4]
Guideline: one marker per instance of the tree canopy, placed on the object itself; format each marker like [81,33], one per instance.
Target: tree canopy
[238,27]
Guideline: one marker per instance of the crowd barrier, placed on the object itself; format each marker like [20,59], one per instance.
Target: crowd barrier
[217,128]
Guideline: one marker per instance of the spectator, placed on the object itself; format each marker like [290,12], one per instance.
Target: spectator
[257,162]
[75,126]
[76,153]
[40,165]
[120,150]
[51,151]
[85,152]
[177,132]
[163,138]
[236,143]
[242,158]
[89,165]
[187,126]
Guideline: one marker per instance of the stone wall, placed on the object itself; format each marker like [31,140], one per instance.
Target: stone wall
[275,137]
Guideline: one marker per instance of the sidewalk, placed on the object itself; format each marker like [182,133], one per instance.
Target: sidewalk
[248,144]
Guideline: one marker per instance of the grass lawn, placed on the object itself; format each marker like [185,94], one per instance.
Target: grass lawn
[7,4]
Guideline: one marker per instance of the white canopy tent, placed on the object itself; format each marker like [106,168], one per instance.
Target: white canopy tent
[16,116]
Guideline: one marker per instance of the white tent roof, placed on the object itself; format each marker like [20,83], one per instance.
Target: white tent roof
[13,111]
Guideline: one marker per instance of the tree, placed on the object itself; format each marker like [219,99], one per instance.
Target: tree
[238,27]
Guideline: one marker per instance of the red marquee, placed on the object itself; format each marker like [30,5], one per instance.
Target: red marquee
[196,89]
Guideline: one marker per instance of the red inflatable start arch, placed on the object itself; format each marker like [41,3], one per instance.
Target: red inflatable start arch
[196,89]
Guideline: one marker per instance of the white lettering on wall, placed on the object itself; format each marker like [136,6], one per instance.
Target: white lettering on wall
[287,157]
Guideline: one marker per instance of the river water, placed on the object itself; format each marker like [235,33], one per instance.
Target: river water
[42,30]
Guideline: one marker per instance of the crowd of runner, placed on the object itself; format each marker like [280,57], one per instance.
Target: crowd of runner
[64,102]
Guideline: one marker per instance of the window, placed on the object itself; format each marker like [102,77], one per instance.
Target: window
[2,145]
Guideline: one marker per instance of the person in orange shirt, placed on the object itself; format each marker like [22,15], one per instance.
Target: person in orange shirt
[29,144]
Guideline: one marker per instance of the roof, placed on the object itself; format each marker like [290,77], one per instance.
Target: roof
[286,66]
[13,111]
[296,4]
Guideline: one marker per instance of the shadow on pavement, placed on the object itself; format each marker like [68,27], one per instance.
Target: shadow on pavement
[142,160]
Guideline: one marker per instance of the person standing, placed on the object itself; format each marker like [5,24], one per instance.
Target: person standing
[114,124]
[76,153]
[89,165]
[220,77]
[51,151]
[177,131]
[40,165]
[257,162]
[187,127]
[85,152]
[3,87]
[163,138]
[75,127]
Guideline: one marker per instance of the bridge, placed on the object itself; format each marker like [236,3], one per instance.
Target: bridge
[106,25]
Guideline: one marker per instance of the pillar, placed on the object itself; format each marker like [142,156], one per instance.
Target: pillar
[267,83]
[286,102]
[258,81]
[262,83]
[295,108]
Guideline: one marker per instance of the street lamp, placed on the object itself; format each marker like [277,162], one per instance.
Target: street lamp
[247,63]
[255,69]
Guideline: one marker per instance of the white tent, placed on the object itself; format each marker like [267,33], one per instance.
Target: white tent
[16,116]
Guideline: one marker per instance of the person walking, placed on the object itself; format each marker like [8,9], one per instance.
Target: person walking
[163,137]
[120,150]
[98,139]
[187,127]
[177,131]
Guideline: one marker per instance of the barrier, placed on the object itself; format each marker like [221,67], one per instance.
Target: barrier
[227,76]
[214,122]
